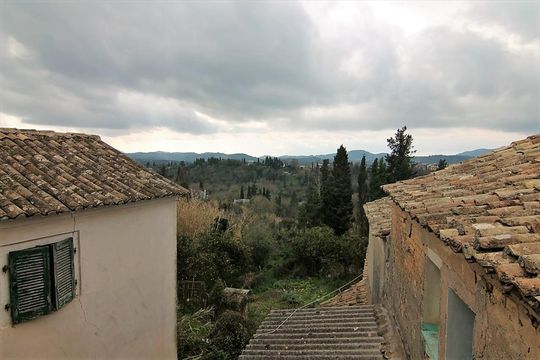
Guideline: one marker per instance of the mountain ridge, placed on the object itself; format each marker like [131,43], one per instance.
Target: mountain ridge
[354,156]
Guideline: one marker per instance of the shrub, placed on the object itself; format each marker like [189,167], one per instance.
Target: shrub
[193,331]
[211,256]
[291,298]
[216,355]
[318,251]
[260,242]
[230,334]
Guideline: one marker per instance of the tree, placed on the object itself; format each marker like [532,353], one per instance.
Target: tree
[379,177]
[325,192]
[363,197]
[339,205]
[442,164]
[279,205]
[162,170]
[399,160]
[242,192]
[293,205]
[310,212]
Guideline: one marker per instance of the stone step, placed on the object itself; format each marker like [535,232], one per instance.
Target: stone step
[317,340]
[347,332]
[319,327]
[315,346]
[322,315]
[316,320]
[317,335]
[311,357]
[349,352]
[343,317]
[340,309]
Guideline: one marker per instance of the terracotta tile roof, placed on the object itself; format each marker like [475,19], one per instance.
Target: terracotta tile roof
[44,172]
[488,208]
[379,214]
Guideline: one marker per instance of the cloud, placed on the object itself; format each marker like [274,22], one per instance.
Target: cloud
[232,67]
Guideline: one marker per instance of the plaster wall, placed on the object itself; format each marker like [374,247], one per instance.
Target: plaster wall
[503,326]
[125,306]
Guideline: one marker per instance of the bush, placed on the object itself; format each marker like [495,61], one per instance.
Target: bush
[318,251]
[291,298]
[230,334]
[211,256]
[193,331]
[216,355]
[260,242]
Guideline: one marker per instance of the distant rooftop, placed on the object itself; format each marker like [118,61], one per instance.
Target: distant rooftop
[489,209]
[45,172]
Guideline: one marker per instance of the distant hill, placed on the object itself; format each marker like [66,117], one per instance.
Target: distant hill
[354,156]
[475,153]
[188,157]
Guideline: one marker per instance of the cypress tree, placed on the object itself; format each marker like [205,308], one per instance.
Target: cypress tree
[242,192]
[363,196]
[342,206]
[326,193]
[379,177]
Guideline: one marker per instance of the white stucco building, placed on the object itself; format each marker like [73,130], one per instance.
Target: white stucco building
[87,251]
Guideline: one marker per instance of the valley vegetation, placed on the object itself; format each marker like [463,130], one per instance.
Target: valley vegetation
[286,232]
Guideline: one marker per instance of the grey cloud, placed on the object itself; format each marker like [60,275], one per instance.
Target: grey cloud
[262,61]
[521,17]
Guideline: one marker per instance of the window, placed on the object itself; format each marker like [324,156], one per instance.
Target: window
[459,329]
[42,279]
[430,316]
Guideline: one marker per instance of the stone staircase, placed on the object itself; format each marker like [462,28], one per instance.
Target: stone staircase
[345,332]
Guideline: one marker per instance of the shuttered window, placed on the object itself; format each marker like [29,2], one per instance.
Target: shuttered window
[63,270]
[30,288]
[42,280]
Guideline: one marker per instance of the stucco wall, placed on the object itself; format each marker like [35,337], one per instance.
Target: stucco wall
[503,328]
[126,298]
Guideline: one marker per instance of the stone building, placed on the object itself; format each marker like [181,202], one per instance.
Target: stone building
[458,265]
[87,250]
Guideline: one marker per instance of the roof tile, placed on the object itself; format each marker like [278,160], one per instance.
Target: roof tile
[44,172]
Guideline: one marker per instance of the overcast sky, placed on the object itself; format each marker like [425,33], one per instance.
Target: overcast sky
[273,77]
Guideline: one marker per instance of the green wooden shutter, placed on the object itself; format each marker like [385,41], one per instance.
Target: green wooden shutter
[63,272]
[30,283]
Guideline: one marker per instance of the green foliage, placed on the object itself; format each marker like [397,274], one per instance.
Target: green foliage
[216,355]
[442,164]
[337,198]
[230,334]
[291,298]
[400,164]
[193,331]
[316,251]
[310,212]
[259,239]
[215,296]
[363,197]
[211,256]
[379,177]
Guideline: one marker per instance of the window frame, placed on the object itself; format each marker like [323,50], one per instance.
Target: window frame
[50,271]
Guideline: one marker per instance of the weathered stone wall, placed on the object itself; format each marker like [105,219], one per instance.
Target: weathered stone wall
[403,280]
[504,327]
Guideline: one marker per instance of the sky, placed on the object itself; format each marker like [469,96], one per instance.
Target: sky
[273,78]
